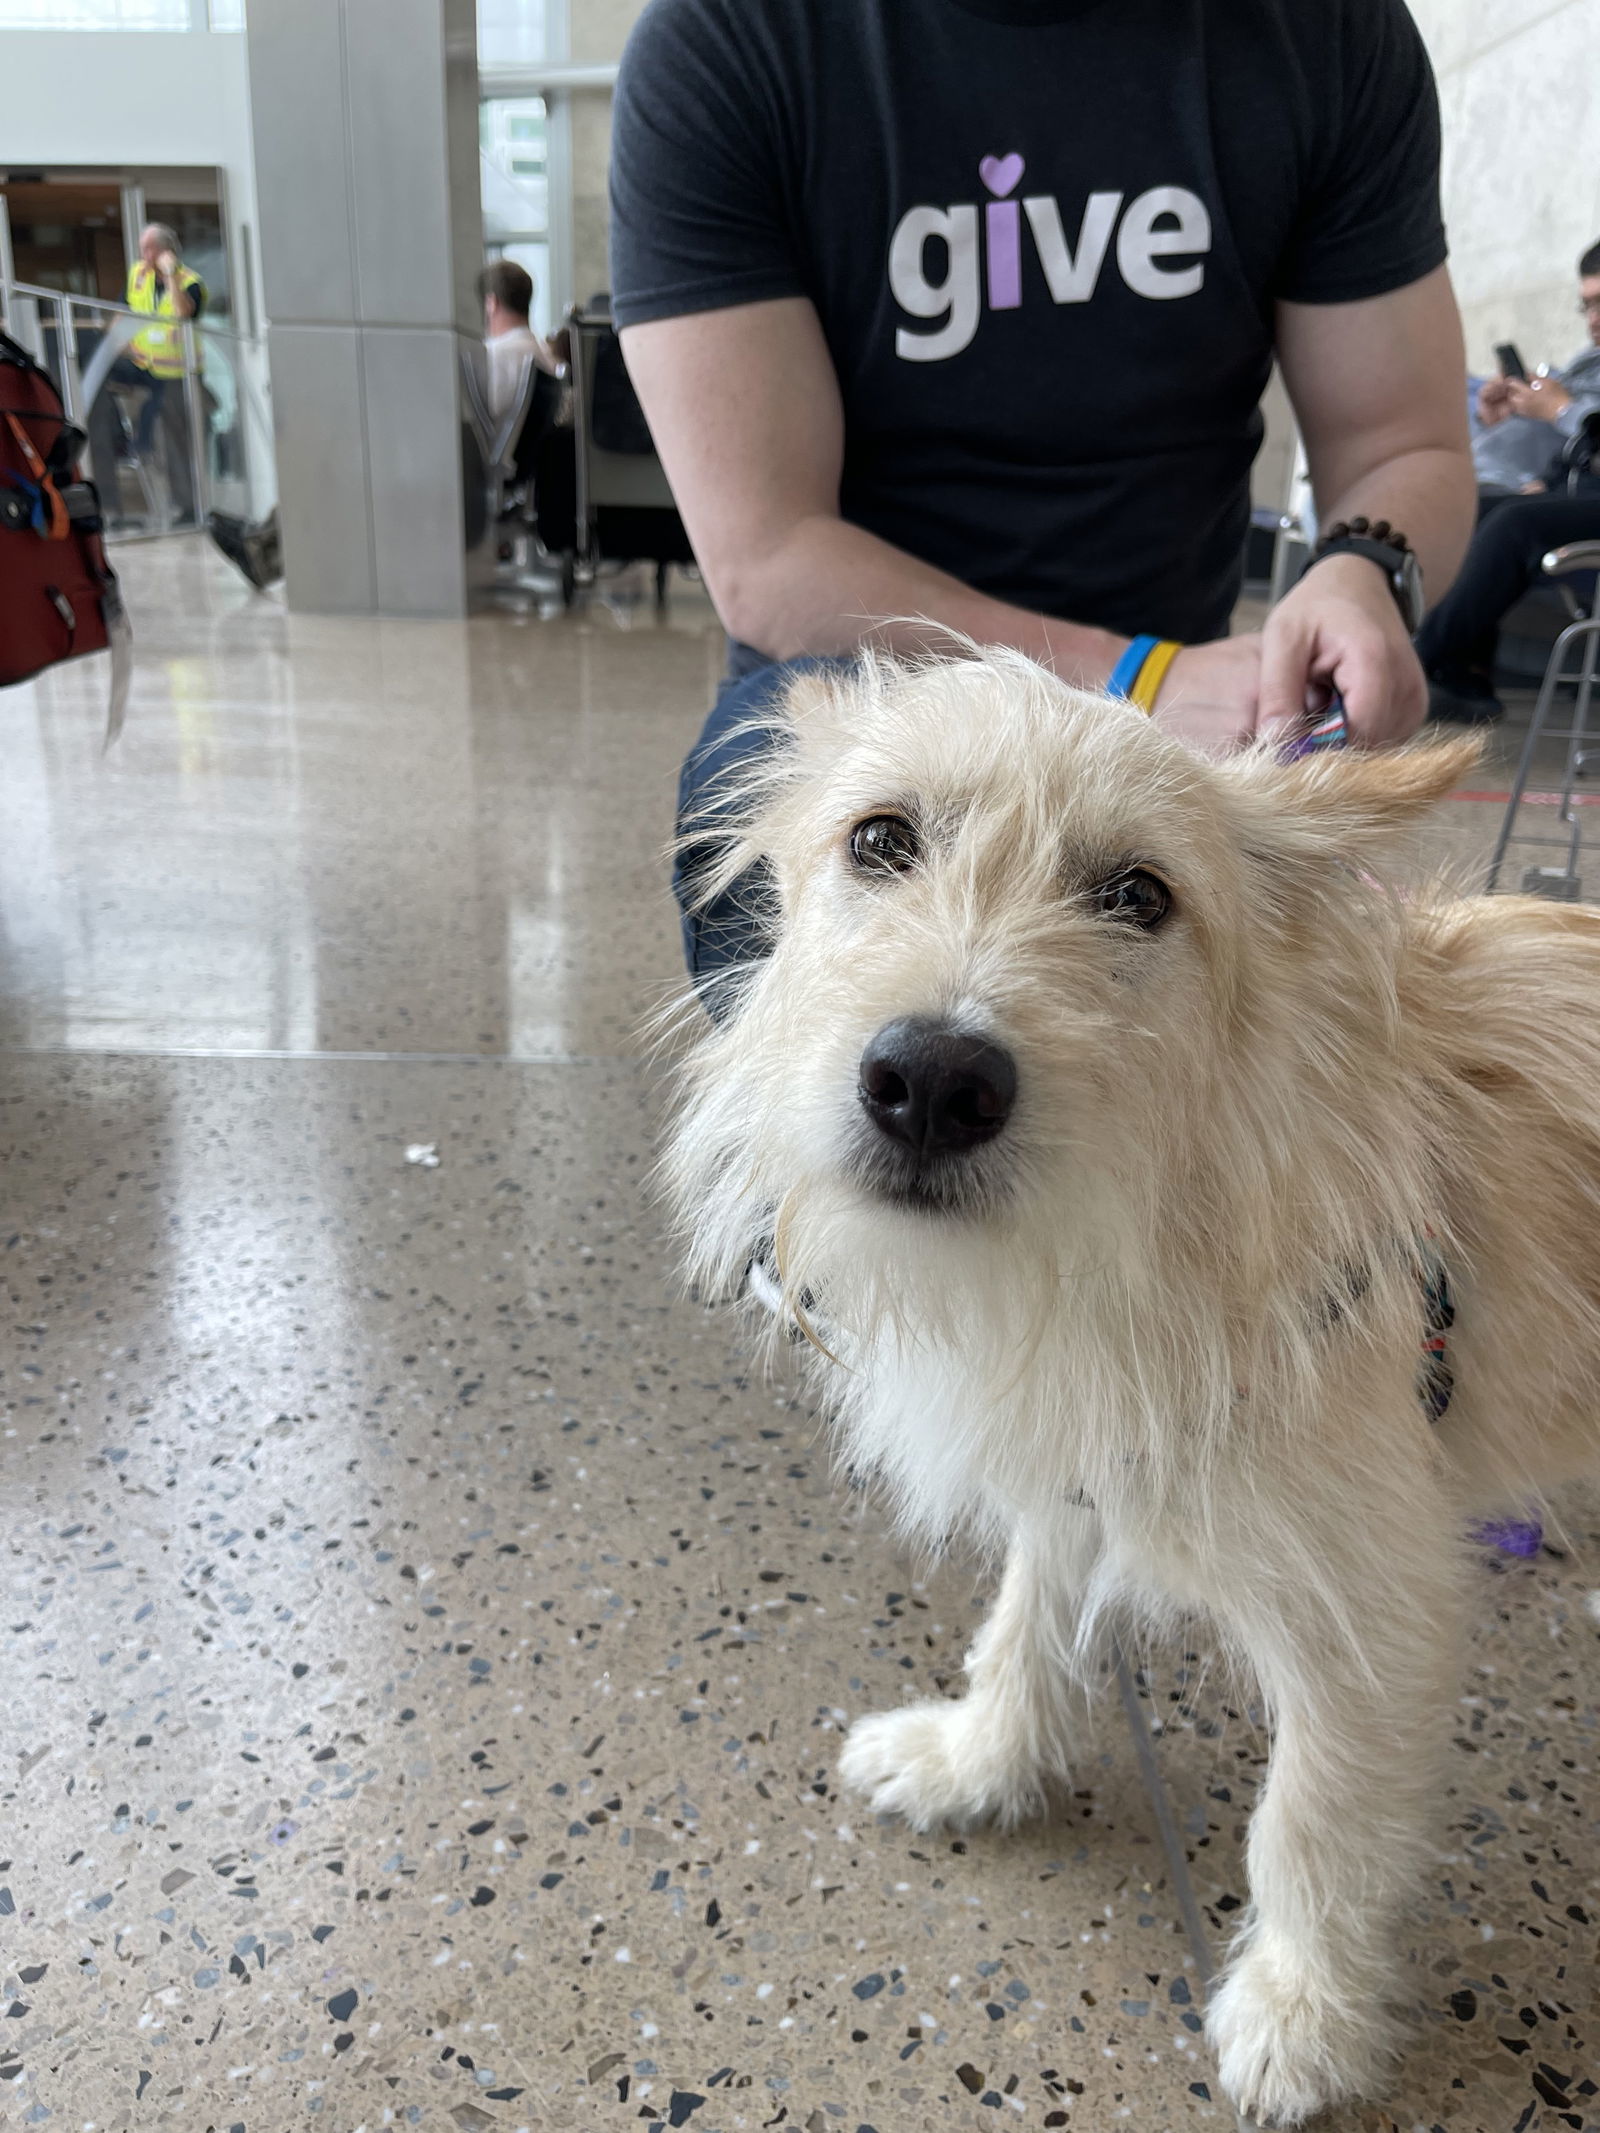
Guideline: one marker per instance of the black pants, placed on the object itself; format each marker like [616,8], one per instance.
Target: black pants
[160,418]
[1460,635]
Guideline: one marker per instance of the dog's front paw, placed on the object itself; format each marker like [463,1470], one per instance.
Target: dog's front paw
[1290,2041]
[940,1762]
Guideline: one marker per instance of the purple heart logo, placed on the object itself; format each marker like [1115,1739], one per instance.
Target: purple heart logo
[1002,174]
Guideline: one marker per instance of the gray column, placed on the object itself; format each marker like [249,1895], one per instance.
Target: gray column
[365,122]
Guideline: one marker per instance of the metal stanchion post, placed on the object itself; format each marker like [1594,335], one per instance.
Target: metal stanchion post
[67,345]
[194,408]
[23,325]
[582,415]
[8,266]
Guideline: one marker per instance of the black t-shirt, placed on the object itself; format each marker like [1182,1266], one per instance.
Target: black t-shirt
[1044,241]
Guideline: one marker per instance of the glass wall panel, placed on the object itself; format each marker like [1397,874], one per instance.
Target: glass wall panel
[513,137]
[512,32]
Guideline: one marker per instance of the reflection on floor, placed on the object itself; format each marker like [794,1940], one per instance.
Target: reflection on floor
[428,1643]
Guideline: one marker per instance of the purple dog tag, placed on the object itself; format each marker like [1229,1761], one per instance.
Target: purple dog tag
[1512,1536]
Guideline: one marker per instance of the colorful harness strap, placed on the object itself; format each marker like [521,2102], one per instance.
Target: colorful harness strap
[1436,1381]
[49,515]
[1331,730]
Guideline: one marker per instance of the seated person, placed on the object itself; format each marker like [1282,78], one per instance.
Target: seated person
[509,338]
[1526,506]
[1510,453]
[1517,417]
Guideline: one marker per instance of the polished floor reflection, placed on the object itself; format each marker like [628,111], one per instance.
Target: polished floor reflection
[346,836]
[428,1642]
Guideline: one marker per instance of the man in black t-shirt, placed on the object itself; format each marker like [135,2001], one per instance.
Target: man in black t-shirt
[963,310]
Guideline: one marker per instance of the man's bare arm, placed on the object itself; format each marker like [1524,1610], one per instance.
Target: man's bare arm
[1379,388]
[744,408]
[1380,392]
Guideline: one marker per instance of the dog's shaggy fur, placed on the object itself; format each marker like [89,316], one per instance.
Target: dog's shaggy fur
[1158,1341]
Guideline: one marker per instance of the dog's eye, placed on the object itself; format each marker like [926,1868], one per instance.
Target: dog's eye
[885,844]
[1136,898]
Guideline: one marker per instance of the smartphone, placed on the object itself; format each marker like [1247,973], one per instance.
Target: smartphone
[1511,364]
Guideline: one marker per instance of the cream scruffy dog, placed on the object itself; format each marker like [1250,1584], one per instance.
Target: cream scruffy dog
[1104,1110]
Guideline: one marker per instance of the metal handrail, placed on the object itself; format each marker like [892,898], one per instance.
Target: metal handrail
[66,296]
[21,305]
[1575,555]
[1585,631]
[67,300]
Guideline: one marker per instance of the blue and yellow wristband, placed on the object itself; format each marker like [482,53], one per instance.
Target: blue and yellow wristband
[1139,673]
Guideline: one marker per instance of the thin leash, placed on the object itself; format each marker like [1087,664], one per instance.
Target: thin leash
[1171,1842]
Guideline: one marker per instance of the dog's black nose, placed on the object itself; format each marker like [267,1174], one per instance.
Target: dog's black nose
[937,1091]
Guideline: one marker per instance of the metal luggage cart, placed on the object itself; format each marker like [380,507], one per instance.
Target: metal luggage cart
[1562,883]
[625,510]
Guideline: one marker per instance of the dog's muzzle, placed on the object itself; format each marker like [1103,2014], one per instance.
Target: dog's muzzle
[935,1096]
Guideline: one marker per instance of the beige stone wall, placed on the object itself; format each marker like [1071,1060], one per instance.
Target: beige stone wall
[1519,92]
[598,29]
[591,147]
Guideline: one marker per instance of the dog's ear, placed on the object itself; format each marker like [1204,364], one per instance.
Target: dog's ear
[1386,788]
[1353,797]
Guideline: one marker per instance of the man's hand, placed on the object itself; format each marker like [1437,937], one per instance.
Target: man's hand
[167,265]
[1494,401]
[1340,631]
[1542,398]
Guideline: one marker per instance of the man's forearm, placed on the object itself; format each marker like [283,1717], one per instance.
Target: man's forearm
[829,587]
[1430,496]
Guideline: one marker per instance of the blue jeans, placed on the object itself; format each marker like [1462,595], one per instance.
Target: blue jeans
[731,928]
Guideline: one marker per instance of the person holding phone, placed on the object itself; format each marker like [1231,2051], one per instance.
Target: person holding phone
[166,291]
[1531,497]
[1523,420]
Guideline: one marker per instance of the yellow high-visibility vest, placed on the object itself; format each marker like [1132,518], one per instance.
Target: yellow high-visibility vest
[159,349]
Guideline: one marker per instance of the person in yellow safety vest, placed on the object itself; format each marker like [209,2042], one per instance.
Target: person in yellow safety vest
[160,285]
[159,282]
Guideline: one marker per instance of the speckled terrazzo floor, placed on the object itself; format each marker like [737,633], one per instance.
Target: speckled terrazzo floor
[427,1644]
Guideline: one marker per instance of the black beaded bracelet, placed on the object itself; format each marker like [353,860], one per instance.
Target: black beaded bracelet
[1362,529]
